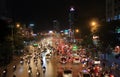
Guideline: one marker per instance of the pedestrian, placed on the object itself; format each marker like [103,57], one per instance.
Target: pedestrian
[103,64]
[14,75]
[102,74]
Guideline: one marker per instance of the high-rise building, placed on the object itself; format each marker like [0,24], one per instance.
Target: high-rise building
[112,10]
[71,18]
[56,25]
[5,9]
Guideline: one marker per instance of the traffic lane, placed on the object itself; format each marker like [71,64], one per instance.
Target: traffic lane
[76,68]
[51,68]
[22,69]
[10,70]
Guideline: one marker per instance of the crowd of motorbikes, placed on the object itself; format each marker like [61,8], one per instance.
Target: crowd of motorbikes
[4,73]
[28,61]
[37,56]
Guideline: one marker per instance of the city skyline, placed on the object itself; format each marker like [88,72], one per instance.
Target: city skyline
[44,12]
[112,10]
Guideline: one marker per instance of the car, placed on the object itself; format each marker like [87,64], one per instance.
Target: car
[48,56]
[63,60]
[84,59]
[67,73]
[84,73]
[59,72]
[97,62]
[76,59]
[21,60]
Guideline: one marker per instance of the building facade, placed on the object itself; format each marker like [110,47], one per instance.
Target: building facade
[112,10]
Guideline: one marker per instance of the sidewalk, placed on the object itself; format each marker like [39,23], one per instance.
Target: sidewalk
[108,61]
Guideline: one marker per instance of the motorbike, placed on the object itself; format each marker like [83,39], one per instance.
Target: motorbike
[4,73]
[37,74]
[14,75]
[21,62]
[14,67]
[29,72]
[44,69]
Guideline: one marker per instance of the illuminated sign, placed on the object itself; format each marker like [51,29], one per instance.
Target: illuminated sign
[74,48]
[66,32]
[32,25]
[35,45]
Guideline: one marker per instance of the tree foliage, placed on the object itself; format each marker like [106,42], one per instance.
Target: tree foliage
[5,42]
[107,33]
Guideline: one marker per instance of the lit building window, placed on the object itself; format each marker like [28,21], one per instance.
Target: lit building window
[115,17]
[119,16]
[108,20]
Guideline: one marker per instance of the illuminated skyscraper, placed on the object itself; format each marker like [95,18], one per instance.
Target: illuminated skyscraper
[71,23]
[112,10]
[71,17]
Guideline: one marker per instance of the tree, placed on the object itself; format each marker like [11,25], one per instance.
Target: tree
[18,40]
[107,33]
[5,42]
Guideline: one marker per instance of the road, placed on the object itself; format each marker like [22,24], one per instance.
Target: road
[53,65]
[51,68]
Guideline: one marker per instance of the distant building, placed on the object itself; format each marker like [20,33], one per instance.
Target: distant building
[2,7]
[112,10]
[56,25]
[5,10]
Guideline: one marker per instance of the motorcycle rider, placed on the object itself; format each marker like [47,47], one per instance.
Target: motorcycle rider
[14,67]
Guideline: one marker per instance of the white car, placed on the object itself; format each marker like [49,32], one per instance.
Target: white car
[84,73]
[97,61]
[48,56]
[67,73]
[76,59]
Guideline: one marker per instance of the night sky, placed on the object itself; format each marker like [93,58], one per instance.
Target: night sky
[43,12]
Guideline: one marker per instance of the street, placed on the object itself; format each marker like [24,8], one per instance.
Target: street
[46,61]
[52,66]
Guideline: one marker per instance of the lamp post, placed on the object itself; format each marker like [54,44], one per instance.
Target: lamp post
[94,28]
[13,38]
[12,35]
[77,33]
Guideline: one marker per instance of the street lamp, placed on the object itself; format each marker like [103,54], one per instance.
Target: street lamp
[13,38]
[77,35]
[12,28]
[77,30]
[72,9]
[93,23]
[17,25]
[94,26]
[95,38]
